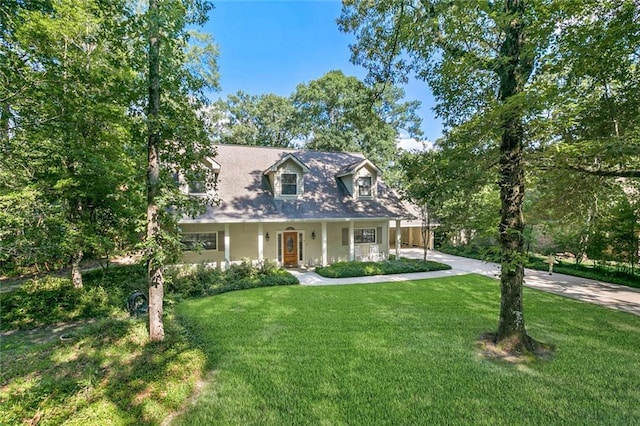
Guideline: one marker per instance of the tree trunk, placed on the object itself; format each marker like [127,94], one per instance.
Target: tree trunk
[425,231]
[513,72]
[76,275]
[155,276]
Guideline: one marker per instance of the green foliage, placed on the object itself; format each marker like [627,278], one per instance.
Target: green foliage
[262,120]
[332,113]
[51,300]
[361,269]
[69,165]
[201,280]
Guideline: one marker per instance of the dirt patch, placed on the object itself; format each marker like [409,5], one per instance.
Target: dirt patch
[489,349]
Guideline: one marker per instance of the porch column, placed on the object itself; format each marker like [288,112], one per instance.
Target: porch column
[260,242]
[398,239]
[410,236]
[227,242]
[324,243]
[352,246]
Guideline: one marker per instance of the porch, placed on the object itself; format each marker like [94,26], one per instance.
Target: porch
[290,244]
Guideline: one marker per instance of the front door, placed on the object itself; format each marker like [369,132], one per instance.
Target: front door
[290,242]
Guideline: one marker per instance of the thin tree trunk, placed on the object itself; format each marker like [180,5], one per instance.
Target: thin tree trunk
[155,276]
[424,231]
[513,73]
[76,275]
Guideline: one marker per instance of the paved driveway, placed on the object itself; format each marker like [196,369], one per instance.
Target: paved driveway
[610,295]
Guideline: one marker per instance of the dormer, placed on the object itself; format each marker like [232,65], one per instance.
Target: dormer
[361,179]
[286,177]
[197,186]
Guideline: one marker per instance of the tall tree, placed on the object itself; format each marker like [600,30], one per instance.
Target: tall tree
[180,67]
[334,112]
[67,173]
[478,57]
[154,266]
[340,113]
[589,120]
[261,120]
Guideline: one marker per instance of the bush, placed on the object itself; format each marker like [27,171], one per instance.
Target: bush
[388,267]
[490,254]
[204,281]
[51,300]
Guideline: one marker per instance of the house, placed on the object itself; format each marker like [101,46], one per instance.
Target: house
[297,207]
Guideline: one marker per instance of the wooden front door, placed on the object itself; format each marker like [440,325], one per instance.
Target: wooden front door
[290,249]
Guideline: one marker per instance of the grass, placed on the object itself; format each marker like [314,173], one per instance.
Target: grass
[404,353]
[595,272]
[105,371]
[361,269]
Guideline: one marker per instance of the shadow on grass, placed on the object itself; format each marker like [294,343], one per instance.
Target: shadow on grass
[105,373]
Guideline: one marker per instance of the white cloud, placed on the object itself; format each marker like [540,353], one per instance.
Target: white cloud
[413,145]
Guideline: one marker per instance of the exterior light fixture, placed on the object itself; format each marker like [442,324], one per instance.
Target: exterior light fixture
[267,236]
[313,235]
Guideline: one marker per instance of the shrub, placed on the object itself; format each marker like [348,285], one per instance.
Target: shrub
[52,300]
[361,269]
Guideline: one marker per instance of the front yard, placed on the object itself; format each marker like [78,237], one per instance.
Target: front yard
[394,353]
[404,353]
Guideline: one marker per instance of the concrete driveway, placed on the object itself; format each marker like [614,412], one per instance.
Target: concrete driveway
[610,295]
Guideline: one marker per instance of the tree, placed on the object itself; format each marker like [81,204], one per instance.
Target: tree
[332,113]
[341,113]
[178,73]
[67,173]
[478,58]
[260,120]
[589,120]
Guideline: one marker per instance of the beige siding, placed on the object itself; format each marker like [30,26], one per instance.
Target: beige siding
[244,241]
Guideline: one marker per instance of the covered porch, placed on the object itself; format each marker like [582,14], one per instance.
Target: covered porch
[289,243]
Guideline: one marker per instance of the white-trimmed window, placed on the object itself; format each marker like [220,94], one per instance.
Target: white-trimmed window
[364,186]
[289,184]
[364,236]
[203,240]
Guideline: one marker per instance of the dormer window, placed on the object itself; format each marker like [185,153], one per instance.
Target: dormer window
[364,186]
[289,182]
[286,177]
[360,179]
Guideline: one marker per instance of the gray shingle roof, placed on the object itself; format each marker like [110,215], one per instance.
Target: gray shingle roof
[245,194]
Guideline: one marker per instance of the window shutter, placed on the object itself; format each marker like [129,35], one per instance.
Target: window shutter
[345,236]
[220,240]
[379,235]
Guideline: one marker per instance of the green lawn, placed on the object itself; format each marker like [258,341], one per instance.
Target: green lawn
[404,353]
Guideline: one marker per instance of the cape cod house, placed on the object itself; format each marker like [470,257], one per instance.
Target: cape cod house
[298,207]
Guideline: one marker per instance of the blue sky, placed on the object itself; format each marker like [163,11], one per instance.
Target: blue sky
[272,46]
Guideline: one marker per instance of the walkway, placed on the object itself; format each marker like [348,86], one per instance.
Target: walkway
[610,295]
